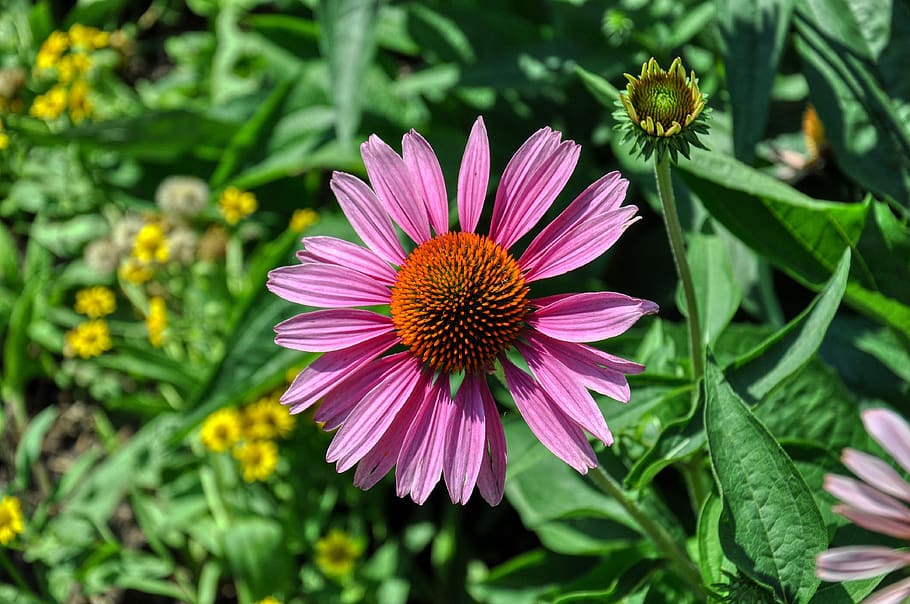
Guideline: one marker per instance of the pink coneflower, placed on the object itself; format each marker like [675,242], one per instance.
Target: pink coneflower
[459,302]
[872,505]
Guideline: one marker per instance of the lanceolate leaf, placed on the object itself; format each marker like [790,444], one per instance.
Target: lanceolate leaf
[771,527]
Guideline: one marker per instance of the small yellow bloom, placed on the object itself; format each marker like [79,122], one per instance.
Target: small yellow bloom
[221,430]
[814,134]
[236,204]
[4,138]
[50,105]
[267,418]
[80,105]
[303,219]
[258,459]
[89,339]
[88,37]
[337,553]
[269,600]
[10,519]
[135,272]
[95,302]
[156,321]
[151,244]
[51,50]
[73,66]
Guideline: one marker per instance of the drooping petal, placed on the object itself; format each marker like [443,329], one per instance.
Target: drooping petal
[893,594]
[892,432]
[329,250]
[338,404]
[874,522]
[465,440]
[858,562]
[422,452]
[395,189]
[597,370]
[866,499]
[530,185]
[473,177]
[491,480]
[367,216]
[325,330]
[877,473]
[426,173]
[326,286]
[553,429]
[374,414]
[600,200]
[566,392]
[590,316]
[331,370]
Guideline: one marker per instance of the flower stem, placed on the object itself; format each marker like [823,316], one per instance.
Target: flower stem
[663,542]
[674,232]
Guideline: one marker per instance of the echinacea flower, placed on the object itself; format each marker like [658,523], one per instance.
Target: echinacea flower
[872,503]
[459,304]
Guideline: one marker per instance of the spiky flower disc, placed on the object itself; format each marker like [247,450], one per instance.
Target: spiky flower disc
[662,111]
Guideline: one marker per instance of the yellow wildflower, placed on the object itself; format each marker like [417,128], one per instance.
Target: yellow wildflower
[337,553]
[10,519]
[220,430]
[236,204]
[95,302]
[156,321]
[267,418]
[4,138]
[150,244]
[88,37]
[50,105]
[134,272]
[269,600]
[80,105]
[51,50]
[258,459]
[73,66]
[303,219]
[89,339]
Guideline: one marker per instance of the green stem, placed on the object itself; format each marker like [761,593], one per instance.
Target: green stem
[15,574]
[662,540]
[674,232]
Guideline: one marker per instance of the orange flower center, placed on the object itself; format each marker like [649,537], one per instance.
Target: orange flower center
[459,301]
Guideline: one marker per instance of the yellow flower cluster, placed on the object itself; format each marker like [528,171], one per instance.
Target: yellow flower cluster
[151,244]
[236,204]
[251,432]
[95,302]
[4,137]
[269,600]
[301,220]
[67,55]
[88,339]
[133,271]
[10,519]
[156,321]
[337,553]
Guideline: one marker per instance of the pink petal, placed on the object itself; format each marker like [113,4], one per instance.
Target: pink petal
[866,499]
[590,317]
[331,370]
[893,594]
[491,480]
[874,522]
[597,370]
[858,562]
[529,185]
[426,174]
[597,205]
[384,455]
[329,250]
[566,392]
[374,414]
[395,189]
[367,216]
[554,430]
[325,330]
[473,177]
[338,404]
[465,448]
[421,457]
[877,473]
[327,286]
[892,432]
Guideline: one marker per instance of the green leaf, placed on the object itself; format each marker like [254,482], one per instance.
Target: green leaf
[29,449]
[807,237]
[754,33]
[602,90]
[256,553]
[716,289]
[771,527]
[348,43]
[710,551]
[789,349]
